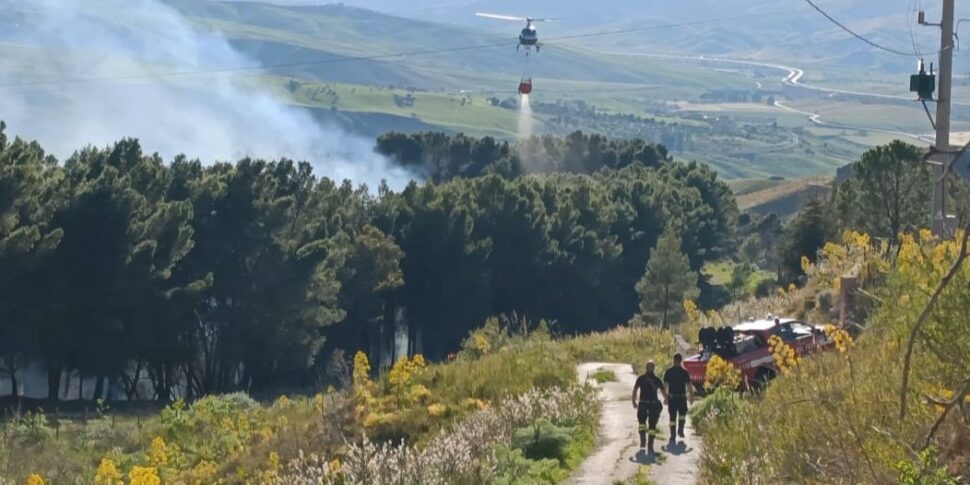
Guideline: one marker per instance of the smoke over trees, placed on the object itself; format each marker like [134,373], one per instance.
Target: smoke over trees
[72,75]
[116,263]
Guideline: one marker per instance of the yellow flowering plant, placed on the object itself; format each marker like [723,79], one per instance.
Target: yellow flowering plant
[856,255]
[721,373]
[783,354]
[158,453]
[144,475]
[361,375]
[203,473]
[108,473]
[436,410]
[841,338]
[692,313]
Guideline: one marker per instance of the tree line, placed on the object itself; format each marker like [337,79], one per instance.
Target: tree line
[885,193]
[120,265]
[439,156]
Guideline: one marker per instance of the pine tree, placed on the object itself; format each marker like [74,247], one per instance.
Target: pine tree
[668,280]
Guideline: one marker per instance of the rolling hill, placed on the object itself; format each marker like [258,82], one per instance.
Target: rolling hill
[779,196]
[369,72]
[744,28]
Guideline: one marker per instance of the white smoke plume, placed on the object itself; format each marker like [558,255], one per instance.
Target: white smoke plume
[90,72]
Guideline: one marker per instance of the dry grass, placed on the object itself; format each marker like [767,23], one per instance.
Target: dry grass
[786,197]
[510,367]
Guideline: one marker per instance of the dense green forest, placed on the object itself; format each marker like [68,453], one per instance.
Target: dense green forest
[246,276]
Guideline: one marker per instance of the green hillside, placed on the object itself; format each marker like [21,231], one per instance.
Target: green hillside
[351,67]
[322,38]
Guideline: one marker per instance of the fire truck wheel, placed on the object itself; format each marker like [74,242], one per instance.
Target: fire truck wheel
[762,377]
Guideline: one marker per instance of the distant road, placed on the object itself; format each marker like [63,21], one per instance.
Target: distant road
[794,78]
[817,119]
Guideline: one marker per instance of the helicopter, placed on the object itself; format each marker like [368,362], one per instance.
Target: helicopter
[528,38]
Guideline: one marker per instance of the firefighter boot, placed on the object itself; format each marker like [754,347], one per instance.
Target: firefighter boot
[680,427]
[673,434]
[643,436]
[650,444]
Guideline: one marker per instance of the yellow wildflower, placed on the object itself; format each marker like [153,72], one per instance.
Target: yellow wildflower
[108,473]
[35,479]
[482,345]
[806,264]
[158,453]
[142,475]
[784,355]
[691,310]
[319,403]
[273,462]
[243,424]
[436,410]
[419,393]
[841,338]
[403,372]
[474,404]
[832,250]
[361,368]
[282,401]
[721,373]
[203,473]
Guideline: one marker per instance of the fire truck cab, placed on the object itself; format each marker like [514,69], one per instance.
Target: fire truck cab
[745,345]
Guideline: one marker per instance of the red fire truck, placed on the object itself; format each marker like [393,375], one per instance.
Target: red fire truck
[745,345]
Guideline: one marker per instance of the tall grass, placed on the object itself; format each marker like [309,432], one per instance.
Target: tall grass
[836,418]
[231,439]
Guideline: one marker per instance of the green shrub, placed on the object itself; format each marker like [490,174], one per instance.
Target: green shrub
[543,440]
[30,428]
[516,469]
[928,470]
[716,408]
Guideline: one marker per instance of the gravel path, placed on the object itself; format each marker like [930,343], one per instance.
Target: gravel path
[617,457]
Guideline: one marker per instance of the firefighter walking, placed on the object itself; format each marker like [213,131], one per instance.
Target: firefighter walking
[648,404]
[678,392]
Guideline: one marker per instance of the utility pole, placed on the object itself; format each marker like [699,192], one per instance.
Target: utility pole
[943,153]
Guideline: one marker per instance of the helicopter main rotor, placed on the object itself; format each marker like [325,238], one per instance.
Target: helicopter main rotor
[528,20]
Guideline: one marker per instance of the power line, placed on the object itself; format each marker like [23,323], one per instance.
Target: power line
[854,34]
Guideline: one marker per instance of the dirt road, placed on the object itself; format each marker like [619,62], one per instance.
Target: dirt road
[617,457]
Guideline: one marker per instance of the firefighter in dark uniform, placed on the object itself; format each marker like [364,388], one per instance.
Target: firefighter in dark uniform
[648,405]
[679,391]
